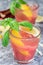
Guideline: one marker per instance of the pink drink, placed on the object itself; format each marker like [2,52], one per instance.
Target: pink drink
[24,46]
[29,15]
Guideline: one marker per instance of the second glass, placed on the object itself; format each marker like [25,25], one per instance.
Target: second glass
[28,12]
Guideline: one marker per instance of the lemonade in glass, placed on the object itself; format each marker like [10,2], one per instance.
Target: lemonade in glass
[27,12]
[24,38]
[24,43]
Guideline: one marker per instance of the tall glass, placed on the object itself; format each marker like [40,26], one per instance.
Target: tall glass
[24,48]
[30,14]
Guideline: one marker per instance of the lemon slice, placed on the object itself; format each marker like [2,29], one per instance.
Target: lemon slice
[35,32]
[25,7]
[28,13]
[39,19]
[3,30]
[24,52]
[16,33]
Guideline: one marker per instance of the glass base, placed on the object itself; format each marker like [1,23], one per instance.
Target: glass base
[24,62]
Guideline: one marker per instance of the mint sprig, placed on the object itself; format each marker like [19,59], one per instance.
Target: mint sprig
[11,22]
[14,25]
[6,21]
[16,4]
[13,7]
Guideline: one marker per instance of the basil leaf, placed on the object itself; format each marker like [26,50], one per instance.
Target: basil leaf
[15,4]
[3,22]
[5,39]
[18,5]
[6,21]
[22,1]
[26,24]
[13,7]
[14,25]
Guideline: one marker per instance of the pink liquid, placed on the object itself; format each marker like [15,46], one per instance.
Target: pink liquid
[20,16]
[26,52]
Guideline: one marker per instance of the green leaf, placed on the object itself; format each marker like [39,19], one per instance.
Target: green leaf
[22,1]
[14,25]
[26,24]
[13,7]
[18,5]
[6,21]
[5,39]
[1,22]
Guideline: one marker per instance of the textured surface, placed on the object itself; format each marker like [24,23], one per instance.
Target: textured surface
[4,4]
[6,56]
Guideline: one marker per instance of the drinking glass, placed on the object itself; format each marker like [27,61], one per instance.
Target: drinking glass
[30,14]
[24,48]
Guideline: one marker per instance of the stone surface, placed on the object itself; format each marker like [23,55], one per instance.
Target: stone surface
[4,4]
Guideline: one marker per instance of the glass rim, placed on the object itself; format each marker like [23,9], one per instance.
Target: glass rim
[30,7]
[32,2]
[27,38]
[36,6]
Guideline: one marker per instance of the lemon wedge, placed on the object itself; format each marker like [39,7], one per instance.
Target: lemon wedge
[3,30]
[39,19]
[24,52]
[28,13]
[35,32]
[16,33]
[25,7]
